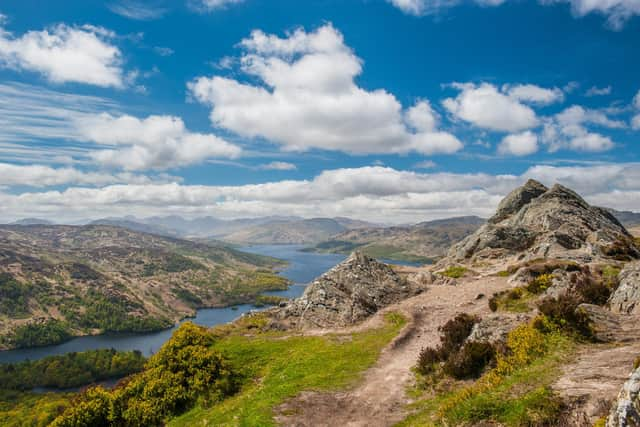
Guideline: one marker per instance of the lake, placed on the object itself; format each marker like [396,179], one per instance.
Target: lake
[303,268]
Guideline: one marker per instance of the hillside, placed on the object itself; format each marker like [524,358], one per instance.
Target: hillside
[306,231]
[419,242]
[59,281]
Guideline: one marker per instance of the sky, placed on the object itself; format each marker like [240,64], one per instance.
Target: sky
[393,111]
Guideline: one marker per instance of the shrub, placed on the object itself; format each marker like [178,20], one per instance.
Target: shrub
[455,332]
[427,360]
[470,360]
[40,334]
[493,303]
[455,271]
[592,291]
[563,312]
[540,284]
[515,294]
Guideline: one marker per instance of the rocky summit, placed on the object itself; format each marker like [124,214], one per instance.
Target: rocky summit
[534,221]
[348,293]
[626,298]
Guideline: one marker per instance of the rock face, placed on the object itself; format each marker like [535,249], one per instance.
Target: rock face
[626,299]
[626,409]
[534,221]
[494,328]
[347,294]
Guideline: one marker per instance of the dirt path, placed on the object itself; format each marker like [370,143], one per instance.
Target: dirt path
[594,379]
[380,398]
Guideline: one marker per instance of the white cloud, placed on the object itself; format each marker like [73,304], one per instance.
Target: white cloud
[156,142]
[598,91]
[140,11]
[569,130]
[45,176]
[65,54]
[636,100]
[278,166]
[486,107]
[426,164]
[163,51]
[534,94]
[209,5]
[521,144]
[635,122]
[618,12]
[371,193]
[309,99]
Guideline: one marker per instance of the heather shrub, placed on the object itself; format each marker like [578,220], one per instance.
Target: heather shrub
[428,360]
[540,284]
[470,361]
[563,312]
[455,332]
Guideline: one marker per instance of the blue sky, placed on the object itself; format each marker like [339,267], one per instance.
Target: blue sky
[393,111]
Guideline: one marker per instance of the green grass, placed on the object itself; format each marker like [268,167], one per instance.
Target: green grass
[521,397]
[279,368]
[455,271]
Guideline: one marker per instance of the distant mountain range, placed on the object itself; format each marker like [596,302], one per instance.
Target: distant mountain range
[419,242]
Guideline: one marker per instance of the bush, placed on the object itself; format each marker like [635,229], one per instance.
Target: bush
[515,293]
[186,368]
[455,332]
[540,284]
[40,334]
[427,360]
[563,312]
[454,272]
[592,291]
[493,303]
[470,360]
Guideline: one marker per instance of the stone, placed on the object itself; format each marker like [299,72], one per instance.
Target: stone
[626,298]
[625,411]
[348,293]
[536,222]
[494,328]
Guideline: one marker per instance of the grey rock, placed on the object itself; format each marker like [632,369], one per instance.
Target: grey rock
[348,293]
[536,222]
[494,328]
[626,299]
[626,409]
[605,325]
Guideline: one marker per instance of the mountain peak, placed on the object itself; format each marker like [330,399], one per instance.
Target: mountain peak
[518,198]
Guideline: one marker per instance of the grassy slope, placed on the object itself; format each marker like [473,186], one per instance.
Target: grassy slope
[19,409]
[278,368]
[522,397]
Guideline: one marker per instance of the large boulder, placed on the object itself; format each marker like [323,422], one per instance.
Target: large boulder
[626,409]
[534,221]
[626,298]
[348,293]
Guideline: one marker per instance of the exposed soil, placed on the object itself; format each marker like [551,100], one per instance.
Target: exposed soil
[380,398]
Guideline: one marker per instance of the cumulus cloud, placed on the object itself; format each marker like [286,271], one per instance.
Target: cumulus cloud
[156,142]
[520,144]
[618,12]
[487,107]
[64,54]
[534,94]
[372,193]
[569,129]
[45,176]
[308,98]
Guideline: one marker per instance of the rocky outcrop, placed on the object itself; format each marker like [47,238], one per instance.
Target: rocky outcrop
[348,293]
[626,298]
[626,409]
[494,328]
[604,325]
[536,222]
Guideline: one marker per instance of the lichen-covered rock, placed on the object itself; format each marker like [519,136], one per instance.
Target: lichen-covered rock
[494,328]
[536,222]
[348,293]
[626,299]
[626,409]
[604,325]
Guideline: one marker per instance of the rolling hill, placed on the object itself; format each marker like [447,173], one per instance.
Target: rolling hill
[60,281]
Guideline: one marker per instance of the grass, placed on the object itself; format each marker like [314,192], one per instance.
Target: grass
[516,300]
[455,272]
[278,368]
[515,393]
